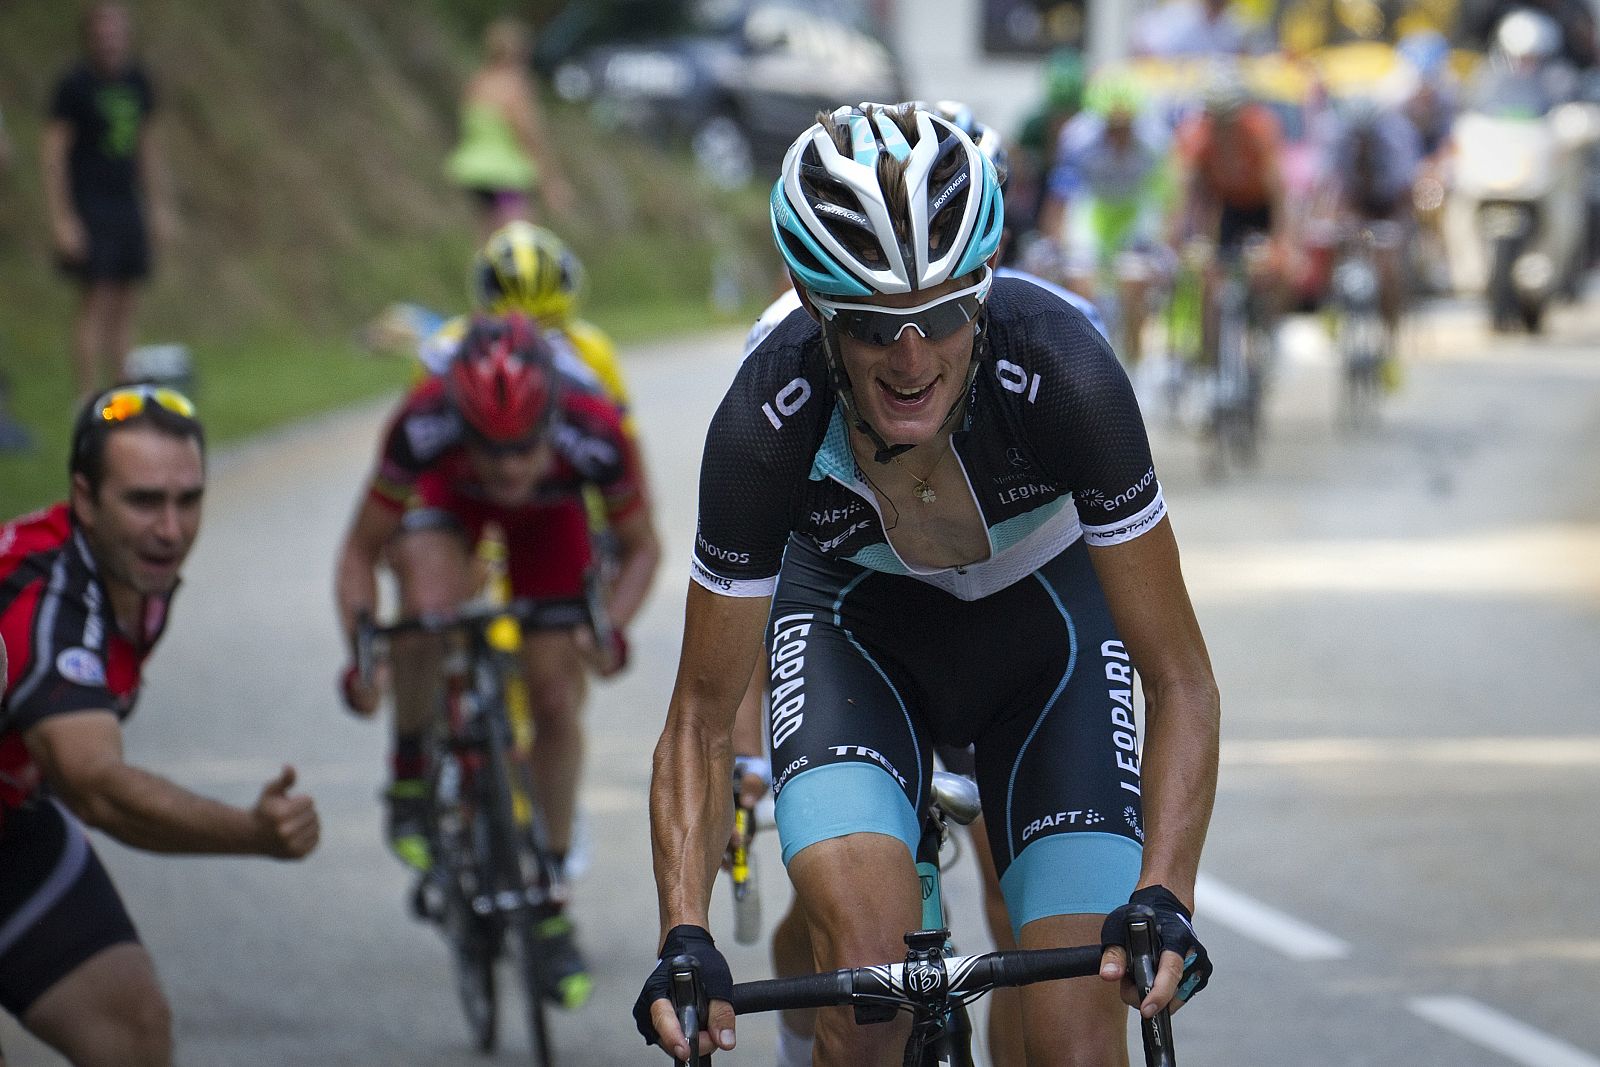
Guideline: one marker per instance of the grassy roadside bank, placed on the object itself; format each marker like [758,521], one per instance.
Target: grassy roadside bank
[309,196]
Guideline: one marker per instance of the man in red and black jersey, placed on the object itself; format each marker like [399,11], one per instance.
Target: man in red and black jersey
[84,591]
[500,437]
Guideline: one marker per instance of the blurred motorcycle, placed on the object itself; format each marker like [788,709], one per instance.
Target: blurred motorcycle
[1516,218]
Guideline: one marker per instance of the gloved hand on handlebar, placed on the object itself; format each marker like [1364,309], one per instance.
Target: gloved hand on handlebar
[652,1012]
[1183,966]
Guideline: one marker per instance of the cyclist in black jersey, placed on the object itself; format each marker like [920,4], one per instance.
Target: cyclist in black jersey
[932,493]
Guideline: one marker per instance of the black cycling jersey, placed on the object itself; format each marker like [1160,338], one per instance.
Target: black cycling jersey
[1052,446]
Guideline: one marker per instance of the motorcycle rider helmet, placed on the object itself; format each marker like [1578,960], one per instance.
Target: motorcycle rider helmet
[1528,36]
[502,379]
[526,268]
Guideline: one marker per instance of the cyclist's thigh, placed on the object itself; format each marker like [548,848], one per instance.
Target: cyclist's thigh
[58,908]
[429,555]
[849,753]
[108,1011]
[1058,771]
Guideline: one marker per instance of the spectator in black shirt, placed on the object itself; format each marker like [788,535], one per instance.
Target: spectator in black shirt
[101,187]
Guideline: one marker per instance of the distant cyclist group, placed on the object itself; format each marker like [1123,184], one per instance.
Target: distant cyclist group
[930,527]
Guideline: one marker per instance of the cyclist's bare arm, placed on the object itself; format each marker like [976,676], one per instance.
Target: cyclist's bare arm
[80,755]
[691,806]
[356,578]
[1150,606]
[639,551]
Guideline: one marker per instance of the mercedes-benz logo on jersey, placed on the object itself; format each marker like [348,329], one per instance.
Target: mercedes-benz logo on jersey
[924,979]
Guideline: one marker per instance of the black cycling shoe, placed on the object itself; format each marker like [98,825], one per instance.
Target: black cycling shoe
[562,971]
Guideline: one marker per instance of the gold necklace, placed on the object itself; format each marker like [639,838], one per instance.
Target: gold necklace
[924,486]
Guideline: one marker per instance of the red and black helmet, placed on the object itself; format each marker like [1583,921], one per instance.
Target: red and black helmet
[502,378]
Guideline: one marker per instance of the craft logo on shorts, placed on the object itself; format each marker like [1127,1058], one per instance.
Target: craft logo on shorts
[81,666]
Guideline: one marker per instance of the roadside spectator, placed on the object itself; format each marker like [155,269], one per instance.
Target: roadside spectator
[503,155]
[103,190]
[85,591]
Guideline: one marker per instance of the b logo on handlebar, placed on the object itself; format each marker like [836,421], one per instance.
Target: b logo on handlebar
[924,980]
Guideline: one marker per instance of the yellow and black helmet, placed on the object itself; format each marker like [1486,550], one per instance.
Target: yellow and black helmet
[526,268]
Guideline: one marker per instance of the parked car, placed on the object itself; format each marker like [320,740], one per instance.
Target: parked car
[735,80]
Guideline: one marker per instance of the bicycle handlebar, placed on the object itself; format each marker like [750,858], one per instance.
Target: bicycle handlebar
[532,614]
[964,977]
[921,985]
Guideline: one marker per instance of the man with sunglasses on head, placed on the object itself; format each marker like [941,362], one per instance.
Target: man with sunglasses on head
[932,497]
[501,437]
[85,588]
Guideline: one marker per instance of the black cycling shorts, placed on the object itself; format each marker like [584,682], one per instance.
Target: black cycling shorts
[119,245]
[870,671]
[57,904]
[1237,225]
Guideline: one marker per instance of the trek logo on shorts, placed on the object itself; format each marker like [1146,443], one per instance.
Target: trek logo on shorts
[1124,734]
[788,665]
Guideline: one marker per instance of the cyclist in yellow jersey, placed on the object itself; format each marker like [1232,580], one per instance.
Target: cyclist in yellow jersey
[528,268]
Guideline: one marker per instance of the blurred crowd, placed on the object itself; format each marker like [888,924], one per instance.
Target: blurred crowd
[1460,153]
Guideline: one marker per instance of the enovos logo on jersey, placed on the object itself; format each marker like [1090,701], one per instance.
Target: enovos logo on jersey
[726,555]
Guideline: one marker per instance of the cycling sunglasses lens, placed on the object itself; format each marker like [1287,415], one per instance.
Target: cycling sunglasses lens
[934,323]
[121,404]
[520,447]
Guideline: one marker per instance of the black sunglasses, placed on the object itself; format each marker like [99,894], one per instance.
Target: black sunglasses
[874,324]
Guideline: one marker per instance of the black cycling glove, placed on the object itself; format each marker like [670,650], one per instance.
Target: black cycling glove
[714,976]
[1174,933]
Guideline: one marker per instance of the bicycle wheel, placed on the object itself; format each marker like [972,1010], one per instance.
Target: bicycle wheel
[518,868]
[451,889]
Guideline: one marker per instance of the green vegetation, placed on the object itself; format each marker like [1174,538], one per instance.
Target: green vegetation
[304,143]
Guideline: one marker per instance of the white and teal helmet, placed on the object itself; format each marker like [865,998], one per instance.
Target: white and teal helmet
[843,233]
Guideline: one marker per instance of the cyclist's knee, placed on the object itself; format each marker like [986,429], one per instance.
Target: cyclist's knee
[860,894]
[556,684]
[431,570]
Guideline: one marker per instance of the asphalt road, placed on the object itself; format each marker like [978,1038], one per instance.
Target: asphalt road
[1406,629]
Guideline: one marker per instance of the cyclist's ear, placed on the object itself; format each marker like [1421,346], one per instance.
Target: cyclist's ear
[805,298]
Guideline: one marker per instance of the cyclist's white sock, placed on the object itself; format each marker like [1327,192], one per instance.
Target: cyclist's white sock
[794,1050]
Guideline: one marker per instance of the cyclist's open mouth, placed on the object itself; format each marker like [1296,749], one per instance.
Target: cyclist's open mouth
[905,400]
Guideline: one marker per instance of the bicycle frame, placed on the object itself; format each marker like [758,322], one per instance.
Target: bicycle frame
[485,829]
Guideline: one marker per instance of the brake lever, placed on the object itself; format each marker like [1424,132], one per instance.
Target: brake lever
[689,1004]
[1157,1031]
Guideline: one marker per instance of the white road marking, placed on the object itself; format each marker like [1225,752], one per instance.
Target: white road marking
[1484,1026]
[1263,924]
[1577,751]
